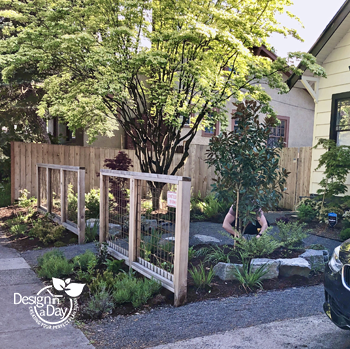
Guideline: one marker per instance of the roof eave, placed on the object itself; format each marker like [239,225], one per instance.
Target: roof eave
[328,32]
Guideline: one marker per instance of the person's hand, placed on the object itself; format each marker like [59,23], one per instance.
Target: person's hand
[258,236]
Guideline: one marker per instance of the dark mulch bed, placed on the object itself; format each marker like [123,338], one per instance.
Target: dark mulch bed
[324,230]
[25,242]
[218,289]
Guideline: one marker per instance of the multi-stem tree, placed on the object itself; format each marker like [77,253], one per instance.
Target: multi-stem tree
[153,65]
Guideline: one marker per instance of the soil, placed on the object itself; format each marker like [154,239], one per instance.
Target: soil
[25,243]
[323,229]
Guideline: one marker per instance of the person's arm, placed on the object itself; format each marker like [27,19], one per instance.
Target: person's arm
[263,222]
[229,219]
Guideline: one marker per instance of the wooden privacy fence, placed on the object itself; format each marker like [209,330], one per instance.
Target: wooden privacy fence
[155,243]
[53,182]
[25,156]
[297,161]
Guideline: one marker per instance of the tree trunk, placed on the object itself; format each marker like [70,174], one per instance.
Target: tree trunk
[156,191]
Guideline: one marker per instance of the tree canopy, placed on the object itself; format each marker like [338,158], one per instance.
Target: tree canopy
[153,65]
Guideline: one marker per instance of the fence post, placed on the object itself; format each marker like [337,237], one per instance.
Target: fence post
[182,227]
[12,172]
[81,206]
[63,196]
[104,207]
[38,198]
[132,221]
[49,191]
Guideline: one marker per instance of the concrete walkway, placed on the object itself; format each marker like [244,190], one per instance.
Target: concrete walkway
[313,332]
[18,330]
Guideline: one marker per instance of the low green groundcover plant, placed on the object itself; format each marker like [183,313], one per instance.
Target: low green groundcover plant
[46,231]
[137,291]
[108,284]
[54,264]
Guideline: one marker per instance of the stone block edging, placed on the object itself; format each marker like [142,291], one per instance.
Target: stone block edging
[283,267]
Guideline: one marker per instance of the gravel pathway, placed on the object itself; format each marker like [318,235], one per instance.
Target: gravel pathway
[69,252]
[168,325]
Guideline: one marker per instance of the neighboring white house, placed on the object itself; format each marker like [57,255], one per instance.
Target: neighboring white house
[332,94]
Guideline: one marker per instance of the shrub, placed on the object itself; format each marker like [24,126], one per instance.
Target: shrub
[5,194]
[54,264]
[121,162]
[92,204]
[346,219]
[291,234]
[336,161]
[53,253]
[137,291]
[345,234]
[100,303]
[59,244]
[250,279]
[91,232]
[115,265]
[200,277]
[24,201]
[256,248]
[210,208]
[306,213]
[19,219]
[216,254]
[323,215]
[105,279]
[46,232]
[82,261]
[18,229]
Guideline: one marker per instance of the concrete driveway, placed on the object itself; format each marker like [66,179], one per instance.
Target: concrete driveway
[313,332]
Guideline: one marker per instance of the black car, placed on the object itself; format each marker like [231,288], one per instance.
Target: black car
[337,286]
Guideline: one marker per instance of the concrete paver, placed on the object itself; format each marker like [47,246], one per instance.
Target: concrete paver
[13,263]
[17,327]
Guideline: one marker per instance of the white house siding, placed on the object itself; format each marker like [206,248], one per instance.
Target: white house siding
[337,81]
[297,104]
